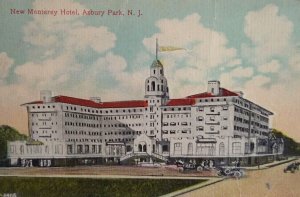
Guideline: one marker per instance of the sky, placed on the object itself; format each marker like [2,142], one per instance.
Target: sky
[248,45]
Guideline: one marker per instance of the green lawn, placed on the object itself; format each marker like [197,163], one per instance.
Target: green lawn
[33,187]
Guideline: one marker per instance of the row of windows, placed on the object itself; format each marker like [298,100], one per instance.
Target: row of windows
[178,123]
[123,133]
[83,140]
[242,129]
[43,123]
[187,131]
[44,131]
[43,114]
[242,111]
[122,125]
[177,115]
[79,124]
[43,106]
[240,102]
[177,109]
[87,117]
[84,149]
[259,125]
[212,100]
[120,140]
[241,120]
[83,133]
[104,111]
[122,117]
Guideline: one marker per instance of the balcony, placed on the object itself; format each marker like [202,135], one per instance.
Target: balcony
[212,123]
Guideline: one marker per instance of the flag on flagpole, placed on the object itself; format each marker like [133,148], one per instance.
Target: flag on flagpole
[169,48]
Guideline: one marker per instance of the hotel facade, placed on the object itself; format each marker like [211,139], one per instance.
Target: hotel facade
[218,124]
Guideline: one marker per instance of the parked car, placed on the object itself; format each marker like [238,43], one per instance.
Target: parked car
[230,172]
[292,167]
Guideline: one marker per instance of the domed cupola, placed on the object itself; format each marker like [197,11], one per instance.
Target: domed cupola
[156,84]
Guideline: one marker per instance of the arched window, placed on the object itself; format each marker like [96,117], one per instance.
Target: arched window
[152,86]
[190,149]
[22,149]
[162,87]
[221,149]
[236,148]
[148,88]
[157,87]
[140,148]
[177,148]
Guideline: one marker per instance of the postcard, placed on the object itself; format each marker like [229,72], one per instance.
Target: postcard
[149,98]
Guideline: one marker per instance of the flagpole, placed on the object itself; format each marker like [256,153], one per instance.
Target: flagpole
[156,48]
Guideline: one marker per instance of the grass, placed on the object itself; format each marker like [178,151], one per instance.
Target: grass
[85,187]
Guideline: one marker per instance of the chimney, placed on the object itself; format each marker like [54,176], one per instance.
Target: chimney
[213,87]
[46,96]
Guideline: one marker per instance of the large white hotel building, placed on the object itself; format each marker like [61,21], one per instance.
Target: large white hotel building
[218,124]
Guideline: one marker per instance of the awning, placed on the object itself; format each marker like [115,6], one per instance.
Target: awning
[206,140]
[115,143]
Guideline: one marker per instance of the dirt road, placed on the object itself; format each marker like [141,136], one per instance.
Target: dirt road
[266,183]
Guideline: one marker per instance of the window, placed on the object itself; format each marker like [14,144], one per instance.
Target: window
[205,149]
[200,108]
[236,148]
[172,132]
[93,148]
[199,118]
[79,149]
[199,128]
[165,148]
[177,148]
[152,86]
[225,107]
[69,149]
[173,123]
[221,149]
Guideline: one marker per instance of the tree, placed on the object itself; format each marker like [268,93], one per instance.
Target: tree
[8,133]
[291,147]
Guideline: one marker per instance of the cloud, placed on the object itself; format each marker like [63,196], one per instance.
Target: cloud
[59,47]
[202,44]
[5,64]
[232,79]
[205,50]
[99,39]
[270,67]
[269,32]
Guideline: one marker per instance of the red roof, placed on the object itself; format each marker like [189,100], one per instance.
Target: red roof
[34,102]
[89,103]
[180,102]
[223,92]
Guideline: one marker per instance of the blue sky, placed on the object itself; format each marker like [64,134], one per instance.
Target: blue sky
[251,46]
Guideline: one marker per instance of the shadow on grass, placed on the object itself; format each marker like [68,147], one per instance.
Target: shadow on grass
[61,187]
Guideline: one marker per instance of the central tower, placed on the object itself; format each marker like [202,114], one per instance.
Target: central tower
[156,86]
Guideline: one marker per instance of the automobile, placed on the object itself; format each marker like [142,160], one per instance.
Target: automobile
[292,167]
[190,166]
[228,171]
